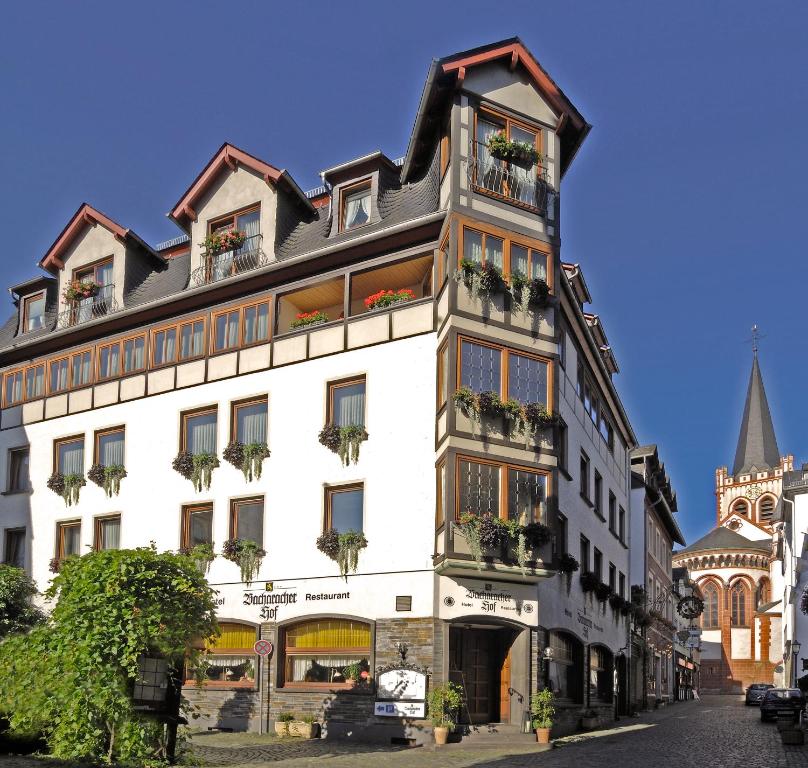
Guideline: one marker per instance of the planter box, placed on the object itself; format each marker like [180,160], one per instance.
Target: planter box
[297,728]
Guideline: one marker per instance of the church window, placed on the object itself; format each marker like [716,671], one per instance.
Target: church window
[766,509]
[738,604]
[709,618]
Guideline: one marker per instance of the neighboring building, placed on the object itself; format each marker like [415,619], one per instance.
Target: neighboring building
[186,348]
[686,653]
[586,664]
[738,566]
[654,531]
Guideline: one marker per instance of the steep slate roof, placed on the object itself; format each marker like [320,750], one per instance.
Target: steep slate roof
[723,538]
[757,445]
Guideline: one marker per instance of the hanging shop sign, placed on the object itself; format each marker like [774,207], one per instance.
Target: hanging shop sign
[462,598]
[401,684]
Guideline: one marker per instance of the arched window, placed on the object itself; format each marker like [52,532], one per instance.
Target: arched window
[738,604]
[564,667]
[327,652]
[231,660]
[740,507]
[709,618]
[766,509]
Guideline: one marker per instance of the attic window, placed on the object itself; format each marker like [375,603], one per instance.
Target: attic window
[33,312]
[355,206]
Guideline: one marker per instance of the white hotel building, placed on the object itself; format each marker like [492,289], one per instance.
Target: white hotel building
[183,349]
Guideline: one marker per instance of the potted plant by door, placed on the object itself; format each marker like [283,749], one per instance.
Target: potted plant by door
[542,710]
[443,701]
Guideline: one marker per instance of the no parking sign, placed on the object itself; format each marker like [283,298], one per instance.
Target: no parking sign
[263,647]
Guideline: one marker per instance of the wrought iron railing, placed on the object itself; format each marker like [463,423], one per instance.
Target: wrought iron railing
[522,184]
[220,266]
[84,310]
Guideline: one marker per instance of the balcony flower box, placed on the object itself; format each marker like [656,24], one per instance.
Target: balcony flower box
[526,293]
[78,290]
[505,540]
[521,153]
[589,581]
[224,240]
[386,298]
[481,280]
[567,564]
[307,319]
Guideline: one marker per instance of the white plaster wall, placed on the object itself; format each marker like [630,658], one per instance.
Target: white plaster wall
[741,643]
[396,464]
[232,191]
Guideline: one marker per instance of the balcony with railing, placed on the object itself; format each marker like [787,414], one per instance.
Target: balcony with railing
[524,185]
[83,310]
[220,266]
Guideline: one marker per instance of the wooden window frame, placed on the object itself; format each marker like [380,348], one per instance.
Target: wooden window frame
[235,503]
[347,382]
[143,335]
[443,376]
[53,361]
[109,377]
[440,512]
[230,684]
[236,404]
[28,300]
[216,223]
[330,490]
[185,520]
[11,374]
[504,367]
[177,326]
[349,189]
[212,330]
[504,468]
[99,433]
[61,525]
[25,397]
[153,343]
[7,533]
[77,353]
[185,415]
[442,266]
[445,147]
[79,272]
[97,523]
[61,441]
[243,324]
[193,321]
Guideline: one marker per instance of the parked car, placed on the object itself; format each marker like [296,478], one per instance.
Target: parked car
[777,701]
[755,692]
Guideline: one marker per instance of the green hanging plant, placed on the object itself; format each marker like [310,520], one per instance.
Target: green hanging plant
[203,466]
[248,457]
[107,477]
[67,486]
[344,441]
[343,548]
[202,555]
[246,554]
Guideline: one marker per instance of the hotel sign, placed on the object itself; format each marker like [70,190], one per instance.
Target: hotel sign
[461,597]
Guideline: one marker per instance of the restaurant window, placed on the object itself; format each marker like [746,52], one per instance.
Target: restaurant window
[584,552]
[199,431]
[69,456]
[248,424]
[478,488]
[19,479]
[226,330]
[355,206]
[12,388]
[527,492]
[230,661]
[247,520]
[600,674]
[68,539]
[346,403]
[33,312]
[344,508]
[197,525]
[35,381]
[59,375]
[564,667]
[81,369]
[256,323]
[109,447]
[440,513]
[14,547]
[107,533]
[327,652]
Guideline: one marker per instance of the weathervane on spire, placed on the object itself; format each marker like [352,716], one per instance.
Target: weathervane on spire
[756,337]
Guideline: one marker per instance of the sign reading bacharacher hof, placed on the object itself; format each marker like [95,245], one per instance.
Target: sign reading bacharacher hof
[461,597]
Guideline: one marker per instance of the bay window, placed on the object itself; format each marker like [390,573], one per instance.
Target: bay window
[326,652]
[482,248]
[33,312]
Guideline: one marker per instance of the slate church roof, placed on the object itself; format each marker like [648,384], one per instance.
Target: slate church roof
[757,445]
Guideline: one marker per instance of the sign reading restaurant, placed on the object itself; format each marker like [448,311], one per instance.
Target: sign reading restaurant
[459,597]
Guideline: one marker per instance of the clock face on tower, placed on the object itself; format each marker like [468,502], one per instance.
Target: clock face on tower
[754,491]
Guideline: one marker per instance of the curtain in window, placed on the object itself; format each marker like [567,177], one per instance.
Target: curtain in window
[349,405]
[251,423]
[250,224]
[81,369]
[480,367]
[110,534]
[165,346]
[526,494]
[58,375]
[200,527]
[227,330]
[527,379]
[14,388]
[111,448]
[191,339]
[493,251]
[133,354]
[71,458]
[489,171]
[357,209]
[472,246]
[35,381]
[201,433]
[479,488]
[109,359]
[256,323]
[250,521]
[524,179]
[328,633]
[71,540]
[103,275]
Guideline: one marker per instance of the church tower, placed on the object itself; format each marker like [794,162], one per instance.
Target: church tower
[735,565]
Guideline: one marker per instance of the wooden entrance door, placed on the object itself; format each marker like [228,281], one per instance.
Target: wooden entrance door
[472,665]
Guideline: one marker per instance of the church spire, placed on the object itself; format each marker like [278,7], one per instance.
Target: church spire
[757,445]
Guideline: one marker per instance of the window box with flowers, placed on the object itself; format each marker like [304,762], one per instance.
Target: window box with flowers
[589,581]
[306,319]
[223,240]
[344,441]
[78,290]
[387,298]
[246,554]
[196,467]
[517,418]
[568,564]
[202,555]
[67,486]
[248,457]
[342,548]
[480,280]
[527,293]
[505,540]
[109,477]
[522,153]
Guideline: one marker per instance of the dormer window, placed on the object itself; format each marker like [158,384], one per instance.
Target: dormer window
[33,312]
[100,274]
[355,206]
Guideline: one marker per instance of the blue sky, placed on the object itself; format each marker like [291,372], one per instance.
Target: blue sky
[685,207]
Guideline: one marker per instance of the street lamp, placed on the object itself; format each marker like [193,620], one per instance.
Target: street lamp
[795,649]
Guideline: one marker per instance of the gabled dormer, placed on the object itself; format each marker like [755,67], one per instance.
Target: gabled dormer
[230,214]
[96,262]
[36,301]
